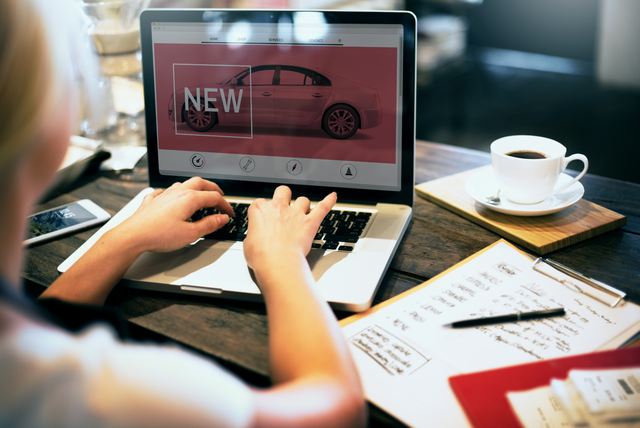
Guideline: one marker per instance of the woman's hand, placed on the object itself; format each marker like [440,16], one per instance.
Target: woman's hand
[310,362]
[162,221]
[277,228]
[160,224]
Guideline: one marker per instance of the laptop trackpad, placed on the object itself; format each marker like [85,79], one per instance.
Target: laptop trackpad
[199,256]
[213,264]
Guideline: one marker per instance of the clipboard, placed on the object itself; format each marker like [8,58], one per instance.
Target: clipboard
[578,282]
[483,394]
[405,359]
[603,293]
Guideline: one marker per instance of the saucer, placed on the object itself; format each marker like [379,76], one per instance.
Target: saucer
[483,184]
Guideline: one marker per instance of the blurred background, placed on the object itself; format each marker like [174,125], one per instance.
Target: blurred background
[564,69]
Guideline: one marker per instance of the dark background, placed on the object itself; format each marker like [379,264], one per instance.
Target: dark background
[529,67]
[474,100]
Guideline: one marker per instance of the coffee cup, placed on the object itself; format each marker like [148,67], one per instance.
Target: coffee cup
[527,167]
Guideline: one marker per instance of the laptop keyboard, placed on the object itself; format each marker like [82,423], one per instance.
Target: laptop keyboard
[339,230]
[234,230]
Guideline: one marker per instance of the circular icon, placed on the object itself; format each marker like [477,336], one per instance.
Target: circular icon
[348,171]
[247,164]
[294,167]
[197,160]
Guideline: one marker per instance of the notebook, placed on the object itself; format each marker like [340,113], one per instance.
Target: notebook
[320,101]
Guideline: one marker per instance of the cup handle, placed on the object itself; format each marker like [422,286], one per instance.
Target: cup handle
[565,162]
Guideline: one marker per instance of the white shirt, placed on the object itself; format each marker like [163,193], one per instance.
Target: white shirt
[52,378]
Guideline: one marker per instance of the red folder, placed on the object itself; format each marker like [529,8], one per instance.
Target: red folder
[483,394]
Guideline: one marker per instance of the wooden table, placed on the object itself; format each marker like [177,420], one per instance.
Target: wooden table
[235,333]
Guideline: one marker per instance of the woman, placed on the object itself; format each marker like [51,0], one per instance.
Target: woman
[51,377]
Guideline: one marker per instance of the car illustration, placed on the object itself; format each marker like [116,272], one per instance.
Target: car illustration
[282,95]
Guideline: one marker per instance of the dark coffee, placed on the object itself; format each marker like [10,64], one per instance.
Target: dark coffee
[527,154]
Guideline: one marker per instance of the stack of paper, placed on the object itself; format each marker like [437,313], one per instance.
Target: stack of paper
[587,398]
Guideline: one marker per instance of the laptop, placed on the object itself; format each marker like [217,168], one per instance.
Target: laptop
[320,101]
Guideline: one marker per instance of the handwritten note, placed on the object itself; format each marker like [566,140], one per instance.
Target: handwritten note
[405,345]
[395,356]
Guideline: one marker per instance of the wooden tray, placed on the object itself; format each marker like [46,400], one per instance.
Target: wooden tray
[540,234]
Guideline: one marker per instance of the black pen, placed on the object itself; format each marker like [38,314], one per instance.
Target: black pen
[520,316]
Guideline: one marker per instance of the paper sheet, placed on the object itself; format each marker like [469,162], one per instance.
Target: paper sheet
[405,355]
[125,157]
[540,408]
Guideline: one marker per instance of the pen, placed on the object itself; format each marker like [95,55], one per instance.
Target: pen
[520,316]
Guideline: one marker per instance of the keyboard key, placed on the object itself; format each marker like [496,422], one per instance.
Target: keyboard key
[345,248]
[331,245]
[347,231]
[341,238]
[327,229]
[327,221]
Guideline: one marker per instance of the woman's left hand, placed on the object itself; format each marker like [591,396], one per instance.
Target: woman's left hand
[162,221]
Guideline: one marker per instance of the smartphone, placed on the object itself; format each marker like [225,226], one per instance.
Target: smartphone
[64,219]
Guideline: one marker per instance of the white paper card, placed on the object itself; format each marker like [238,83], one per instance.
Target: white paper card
[539,408]
[614,392]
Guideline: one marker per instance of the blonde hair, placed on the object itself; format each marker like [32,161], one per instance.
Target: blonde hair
[32,74]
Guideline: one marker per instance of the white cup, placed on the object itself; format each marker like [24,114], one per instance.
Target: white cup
[527,180]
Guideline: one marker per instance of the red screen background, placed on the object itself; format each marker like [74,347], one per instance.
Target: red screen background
[367,66]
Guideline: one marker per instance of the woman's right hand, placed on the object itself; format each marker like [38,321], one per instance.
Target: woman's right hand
[310,363]
[280,229]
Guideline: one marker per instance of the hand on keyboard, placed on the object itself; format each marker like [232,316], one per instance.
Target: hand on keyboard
[339,230]
[279,230]
[236,227]
[162,221]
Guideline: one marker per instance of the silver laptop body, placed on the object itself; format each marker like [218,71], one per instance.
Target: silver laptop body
[318,100]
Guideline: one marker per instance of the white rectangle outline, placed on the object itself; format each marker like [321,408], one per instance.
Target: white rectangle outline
[175,109]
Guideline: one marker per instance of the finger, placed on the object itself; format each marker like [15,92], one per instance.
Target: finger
[282,193]
[224,206]
[323,207]
[302,203]
[153,194]
[203,199]
[210,224]
[255,205]
[197,183]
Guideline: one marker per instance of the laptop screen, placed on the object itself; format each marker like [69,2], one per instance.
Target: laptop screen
[301,99]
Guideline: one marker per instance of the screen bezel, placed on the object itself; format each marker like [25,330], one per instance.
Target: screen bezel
[404,196]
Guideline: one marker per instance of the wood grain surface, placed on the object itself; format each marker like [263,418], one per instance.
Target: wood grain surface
[541,234]
[235,333]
